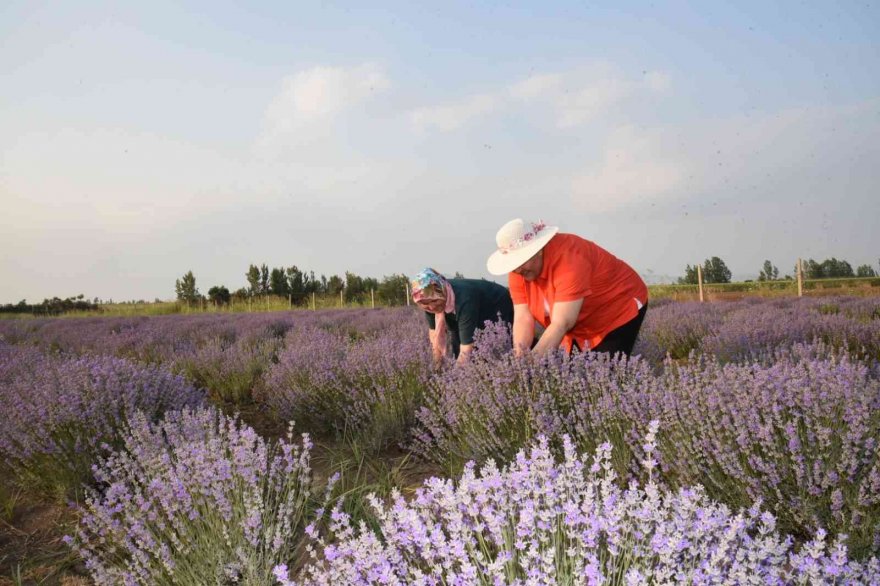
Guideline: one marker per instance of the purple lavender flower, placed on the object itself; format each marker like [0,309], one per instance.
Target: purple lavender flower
[198,498]
[537,521]
[60,411]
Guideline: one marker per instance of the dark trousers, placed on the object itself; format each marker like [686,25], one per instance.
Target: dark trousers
[623,338]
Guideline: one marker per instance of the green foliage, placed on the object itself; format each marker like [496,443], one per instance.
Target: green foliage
[296,284]
[768,272]
[690,276]
[53,306]
[392,290]
[334,285]
[185,288]
[714,271]
[828,269]
[278,284]
[359,473]
[264,279]
[357,289]
[253,279]
[865,271]
[219,295]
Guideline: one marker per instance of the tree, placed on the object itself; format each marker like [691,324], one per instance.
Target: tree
[836,269]
[392,290]
[334,285]
[715,271]
[278,283]
[296,284]
[830,268]
[812,270]
[865,271]
[219,295]
[310,283]
[264,279]
[253,279]
[185,288]
[354,287]
[769,272]
[690,276]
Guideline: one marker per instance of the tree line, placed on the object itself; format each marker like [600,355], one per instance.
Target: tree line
[715,271]
[53,306]
[298,286]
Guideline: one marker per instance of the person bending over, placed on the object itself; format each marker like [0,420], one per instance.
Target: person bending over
[585,297]
[458,307]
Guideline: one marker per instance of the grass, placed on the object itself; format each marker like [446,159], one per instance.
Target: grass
[859,287]
[259,305]
[31,547]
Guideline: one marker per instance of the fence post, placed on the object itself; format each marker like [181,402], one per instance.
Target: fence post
[372,299]
[314,305]
[700,281]
[290,301]
[341,299]
[406,292]
[800,277]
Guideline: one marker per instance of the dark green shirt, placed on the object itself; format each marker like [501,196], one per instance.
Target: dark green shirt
[476,302]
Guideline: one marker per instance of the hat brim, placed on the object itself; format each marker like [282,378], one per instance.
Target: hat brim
[501,263]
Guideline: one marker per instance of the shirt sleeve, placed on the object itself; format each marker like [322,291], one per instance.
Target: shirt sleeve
[571,279]
[517,286]
[430,318]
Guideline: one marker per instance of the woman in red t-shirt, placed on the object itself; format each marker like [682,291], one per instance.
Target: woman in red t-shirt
[585,297]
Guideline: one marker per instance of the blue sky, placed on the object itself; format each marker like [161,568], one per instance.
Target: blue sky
[141,141]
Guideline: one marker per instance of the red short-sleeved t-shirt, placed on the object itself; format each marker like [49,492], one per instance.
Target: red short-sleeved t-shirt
[575,268]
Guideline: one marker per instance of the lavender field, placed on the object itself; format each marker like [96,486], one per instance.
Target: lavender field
[739,446]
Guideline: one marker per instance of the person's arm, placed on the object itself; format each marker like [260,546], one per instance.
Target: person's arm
[437,352]
[523,329]
[562,319]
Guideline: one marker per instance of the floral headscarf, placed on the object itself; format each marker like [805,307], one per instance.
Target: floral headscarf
[428,284]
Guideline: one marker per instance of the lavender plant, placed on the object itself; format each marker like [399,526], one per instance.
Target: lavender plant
[797,431]
[542,522]
[366,389]
[494,406]
[676,329]
[198,498]
[59,411]
[797,428]
[229,369]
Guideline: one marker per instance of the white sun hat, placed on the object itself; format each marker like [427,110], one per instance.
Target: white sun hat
[518,242]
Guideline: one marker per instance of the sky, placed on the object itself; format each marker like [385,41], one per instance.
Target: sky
[142,140]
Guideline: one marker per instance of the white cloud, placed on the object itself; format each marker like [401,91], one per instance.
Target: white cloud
[571,98]
[582,106]
[452,116]
[577,97]
[634,169]
[657,81]
[535,86]
[322,92]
